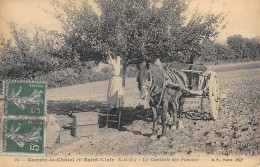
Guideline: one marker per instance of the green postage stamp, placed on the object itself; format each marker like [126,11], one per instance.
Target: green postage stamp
[24,98]
[23,120]
[23,136]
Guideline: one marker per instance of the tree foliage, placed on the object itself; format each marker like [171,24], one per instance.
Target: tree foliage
[135,30]
[27,56]
[80,25]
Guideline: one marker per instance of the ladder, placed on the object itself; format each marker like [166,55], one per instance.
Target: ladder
[119,110]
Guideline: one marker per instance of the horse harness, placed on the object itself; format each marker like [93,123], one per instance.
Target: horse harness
[151,87]
[169,74]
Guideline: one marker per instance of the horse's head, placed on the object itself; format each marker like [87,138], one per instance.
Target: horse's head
[144,80]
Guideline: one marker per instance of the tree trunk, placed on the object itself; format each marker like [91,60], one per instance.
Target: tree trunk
[123,74]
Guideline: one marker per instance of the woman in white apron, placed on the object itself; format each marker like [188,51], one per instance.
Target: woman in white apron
[115,88]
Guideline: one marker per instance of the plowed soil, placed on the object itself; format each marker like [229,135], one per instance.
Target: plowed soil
[236,132]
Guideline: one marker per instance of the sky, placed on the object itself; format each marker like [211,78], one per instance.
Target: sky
[243,17]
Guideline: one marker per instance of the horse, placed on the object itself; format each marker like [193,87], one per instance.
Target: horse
[152,85]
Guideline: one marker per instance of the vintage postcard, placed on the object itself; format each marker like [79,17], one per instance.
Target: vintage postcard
[144,83]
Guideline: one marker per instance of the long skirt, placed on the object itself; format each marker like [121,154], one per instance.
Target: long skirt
[115,92]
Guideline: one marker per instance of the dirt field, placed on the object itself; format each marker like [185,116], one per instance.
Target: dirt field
[236,132]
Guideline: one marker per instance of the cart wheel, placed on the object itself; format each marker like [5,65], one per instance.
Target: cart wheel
[213,96]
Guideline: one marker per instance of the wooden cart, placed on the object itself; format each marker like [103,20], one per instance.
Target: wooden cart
[201,83]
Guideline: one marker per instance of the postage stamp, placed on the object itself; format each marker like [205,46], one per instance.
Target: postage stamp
[24,98]
[23,136]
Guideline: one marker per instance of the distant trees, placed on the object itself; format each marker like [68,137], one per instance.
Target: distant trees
[224,54]
[211,52]
[237,49]
[244,48]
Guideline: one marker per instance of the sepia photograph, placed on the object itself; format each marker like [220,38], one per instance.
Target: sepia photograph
[143,83]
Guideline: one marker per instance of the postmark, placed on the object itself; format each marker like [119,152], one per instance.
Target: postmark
[23,136]
[24,98]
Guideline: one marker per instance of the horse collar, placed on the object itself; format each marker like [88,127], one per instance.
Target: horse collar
[152,87]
